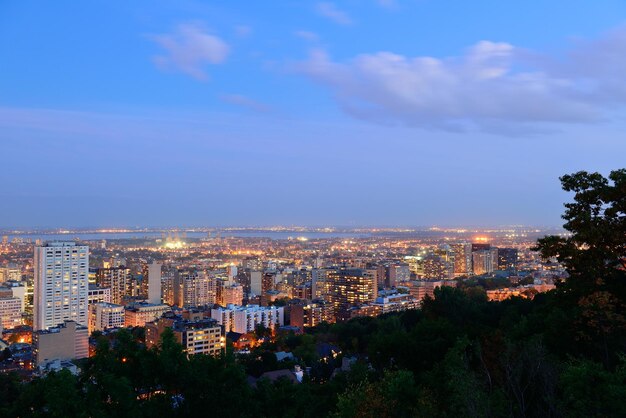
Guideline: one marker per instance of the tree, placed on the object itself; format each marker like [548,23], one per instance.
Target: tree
[594,255]
[595,252]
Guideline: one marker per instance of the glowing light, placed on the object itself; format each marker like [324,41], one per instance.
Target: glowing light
[174,245]
[481,238]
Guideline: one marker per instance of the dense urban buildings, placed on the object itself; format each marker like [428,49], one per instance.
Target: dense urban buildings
[210,288]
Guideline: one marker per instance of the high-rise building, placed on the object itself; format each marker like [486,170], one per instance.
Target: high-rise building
[232,295]
[267,282]
[195,288]
[256,283]
[462,259]
[320,285]
[438,267]
[116,278]
[507,259]
[484,261]
[154,283]
[310,314]
[396,273]
[61,284]
[168,286]
[350,287]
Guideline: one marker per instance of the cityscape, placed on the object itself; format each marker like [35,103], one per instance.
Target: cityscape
[215,290]
[311,209]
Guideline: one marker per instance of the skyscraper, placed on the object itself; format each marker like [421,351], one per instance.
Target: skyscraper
[194,288]
[116,278]
[350,287]
[462,259]
[484,261]
[61,284]
[154,283]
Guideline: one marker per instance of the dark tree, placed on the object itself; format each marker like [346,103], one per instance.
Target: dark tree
[595,252]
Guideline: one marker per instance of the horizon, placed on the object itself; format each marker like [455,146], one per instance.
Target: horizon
[278,227]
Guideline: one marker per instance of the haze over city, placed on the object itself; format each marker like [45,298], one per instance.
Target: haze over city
[393,113]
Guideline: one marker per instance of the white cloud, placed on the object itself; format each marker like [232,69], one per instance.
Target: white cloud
[190,49]
[330,11]
[493,86]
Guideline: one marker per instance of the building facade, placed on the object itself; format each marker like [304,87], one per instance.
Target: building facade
[103,316]
[64,342]
[244,319]
[60,285]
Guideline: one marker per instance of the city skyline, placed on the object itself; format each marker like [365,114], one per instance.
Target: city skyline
[302,114]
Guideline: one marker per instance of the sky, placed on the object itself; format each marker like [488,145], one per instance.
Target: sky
[351,113]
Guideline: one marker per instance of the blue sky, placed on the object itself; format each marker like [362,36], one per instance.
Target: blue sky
[359,112]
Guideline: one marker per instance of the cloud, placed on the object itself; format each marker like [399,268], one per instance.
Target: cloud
[189,49]
[245,102]
[307,35]
[330,11]
[492,86]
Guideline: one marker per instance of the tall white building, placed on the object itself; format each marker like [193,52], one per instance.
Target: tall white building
[154,283]
[61,284]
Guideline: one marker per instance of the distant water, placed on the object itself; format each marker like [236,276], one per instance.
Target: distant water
[154,235]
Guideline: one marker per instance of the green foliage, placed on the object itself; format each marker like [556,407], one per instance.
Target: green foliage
[591,391]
